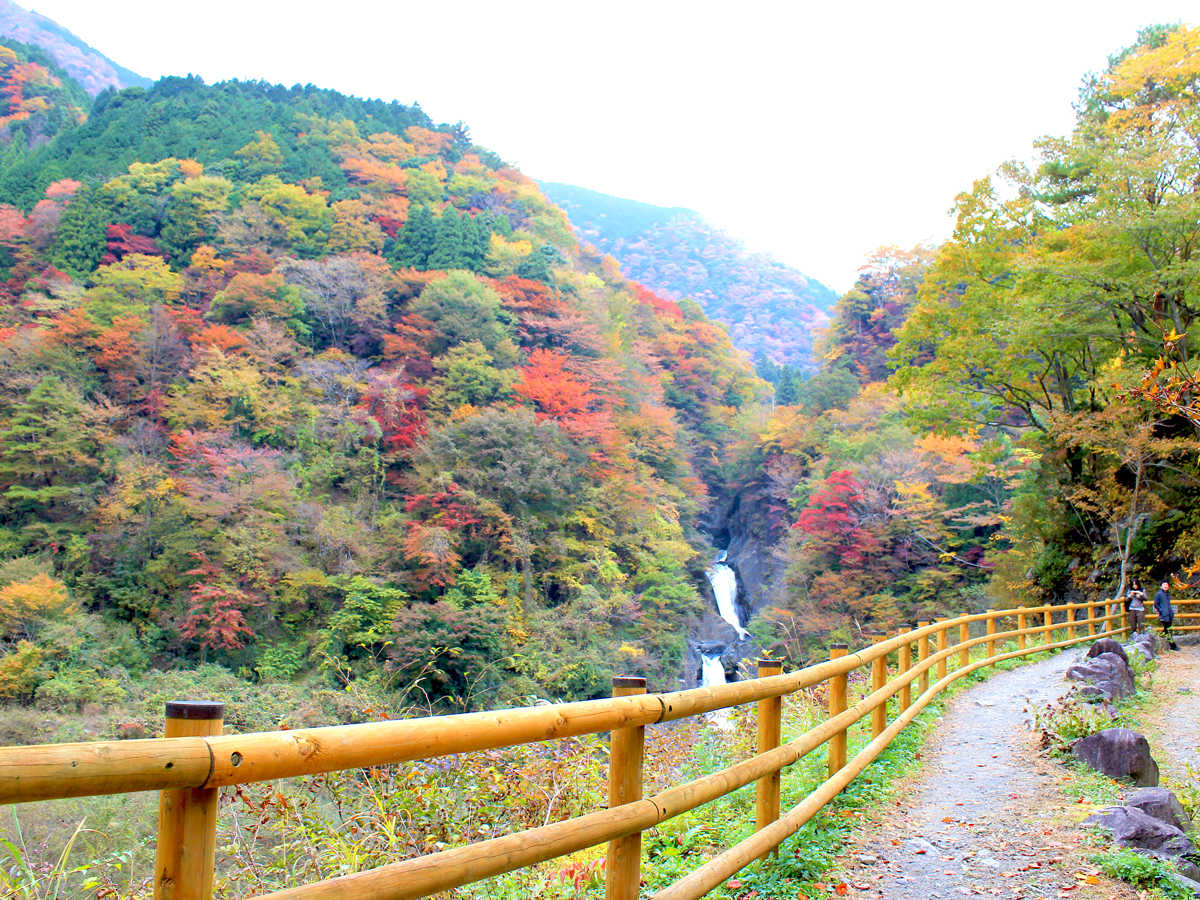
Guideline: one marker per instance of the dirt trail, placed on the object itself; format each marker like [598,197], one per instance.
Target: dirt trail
[1172,723]
[986,815]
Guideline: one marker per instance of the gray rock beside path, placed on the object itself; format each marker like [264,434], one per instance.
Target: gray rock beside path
[1145,644]
[1119,753]
[1131,827]
[1107,645]
[1152,822]
[1108,673]
[1162,805]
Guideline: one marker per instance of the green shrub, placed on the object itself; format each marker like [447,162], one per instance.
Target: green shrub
[1069,719]
[72,689]
[1141,871]
[280,662]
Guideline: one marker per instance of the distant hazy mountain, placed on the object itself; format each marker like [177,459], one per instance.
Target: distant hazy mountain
[89,67]
[769,307]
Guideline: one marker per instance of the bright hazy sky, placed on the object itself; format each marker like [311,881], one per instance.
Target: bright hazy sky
[813,134]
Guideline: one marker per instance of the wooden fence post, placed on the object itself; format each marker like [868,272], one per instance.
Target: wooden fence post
[623,872]
[1070,622]
[1091,620]
[770,711]
[837,706]
[903,664]
[185,855]
[991,631]
[1021,628]
[878,680]
[964,635]
[941,645]
[922,655]
[1048,624]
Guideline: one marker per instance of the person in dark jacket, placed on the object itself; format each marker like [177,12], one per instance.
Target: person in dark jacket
[1166,612]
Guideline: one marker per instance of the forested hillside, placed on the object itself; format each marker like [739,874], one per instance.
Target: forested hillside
[773,311]
[312,388]
[1010,417]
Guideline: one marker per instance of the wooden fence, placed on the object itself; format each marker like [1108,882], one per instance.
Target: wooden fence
[1180,615]
[194,760]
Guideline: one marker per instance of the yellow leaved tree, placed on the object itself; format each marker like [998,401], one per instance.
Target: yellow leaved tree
[26,605]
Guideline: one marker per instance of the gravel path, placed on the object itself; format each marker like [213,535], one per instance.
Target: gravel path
[985,815]
[1173,725]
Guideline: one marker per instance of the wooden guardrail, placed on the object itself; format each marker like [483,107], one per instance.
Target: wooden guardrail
[1180,614]
[194,760]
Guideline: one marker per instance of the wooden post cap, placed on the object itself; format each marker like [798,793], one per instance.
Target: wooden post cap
[839,646]
[770,663]
[195,709]
[628,681]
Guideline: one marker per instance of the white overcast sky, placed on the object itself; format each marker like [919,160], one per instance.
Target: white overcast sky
[813,131]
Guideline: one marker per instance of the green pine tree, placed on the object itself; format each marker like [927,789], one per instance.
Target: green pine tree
[786,392]
[536,266]
[48,463]
[415,241]
[449,252]
[80,241]
[477,236]
[768,370]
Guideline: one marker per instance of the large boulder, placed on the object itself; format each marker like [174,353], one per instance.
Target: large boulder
[1109,673]
[1107,645]
[1162,805]
[1119,753]
[1131,827]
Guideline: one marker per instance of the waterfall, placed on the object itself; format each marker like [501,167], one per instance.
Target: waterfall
[724,585]
[712,673]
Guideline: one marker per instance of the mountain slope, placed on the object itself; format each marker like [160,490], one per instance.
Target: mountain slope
[91,68]
[312,387]
[771,309]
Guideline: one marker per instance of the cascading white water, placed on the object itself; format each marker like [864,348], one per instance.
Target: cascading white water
[724,585]
[712,673]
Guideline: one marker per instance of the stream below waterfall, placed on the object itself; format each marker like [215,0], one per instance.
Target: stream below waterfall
[712,673]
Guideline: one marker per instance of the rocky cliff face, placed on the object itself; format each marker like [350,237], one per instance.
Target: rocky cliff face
[741,530]
[737,527]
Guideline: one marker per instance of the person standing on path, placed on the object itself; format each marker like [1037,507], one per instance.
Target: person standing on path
[1135,603]
[1166,612]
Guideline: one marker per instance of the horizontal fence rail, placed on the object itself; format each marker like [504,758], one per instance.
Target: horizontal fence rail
[194,760]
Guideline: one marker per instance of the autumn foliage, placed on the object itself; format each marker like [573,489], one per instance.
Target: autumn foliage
[295,378]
